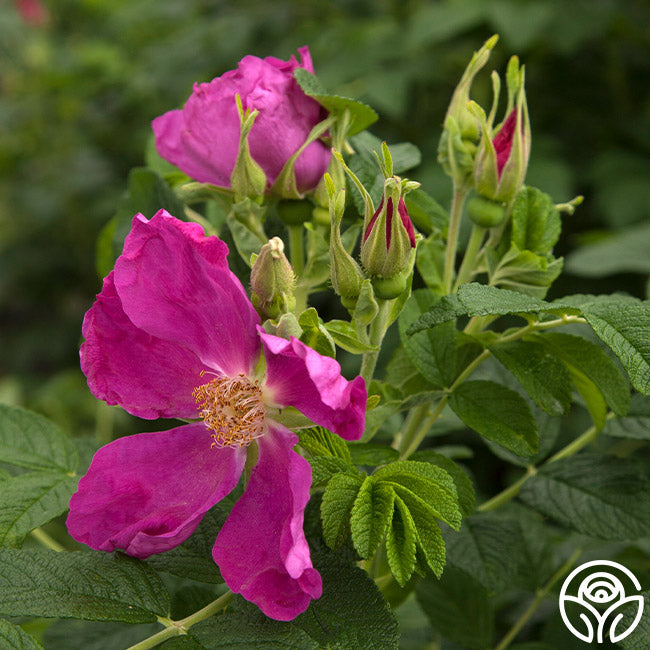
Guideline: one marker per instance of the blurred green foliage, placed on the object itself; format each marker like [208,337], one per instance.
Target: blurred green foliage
[78,94]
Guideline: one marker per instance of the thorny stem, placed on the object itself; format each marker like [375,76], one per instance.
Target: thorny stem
[452,236]
[378,329]
[537,601]
[569,450]
[178,628]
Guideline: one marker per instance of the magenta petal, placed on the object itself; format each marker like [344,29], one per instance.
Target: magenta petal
[261,550]
[145,375]
[174,283]
[147,493]
[299,376]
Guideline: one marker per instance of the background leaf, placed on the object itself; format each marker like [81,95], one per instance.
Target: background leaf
[13,637]
[32,441]
[601,496]
[92,586]
[496,413]
[30,500]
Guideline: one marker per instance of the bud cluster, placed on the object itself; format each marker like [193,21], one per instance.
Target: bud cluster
[388,241]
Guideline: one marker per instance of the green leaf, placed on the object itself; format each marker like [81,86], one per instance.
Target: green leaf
[425,483]
[621,252]
[624,329]
[351,614]
[524,271]
[489,547]
[361,115]
[432,352]
[426,213]
[345,336]
[474,299]
[402,374]
[13,637]
[371,454]
[636,424]
[314,333]
[600,496]
[370,516]
[324,467]
[96,636]
[640,638]
[336,506]
[463,483]
[536,223]
[92,586]
[32,441]
[318,441]
[542,376]
[193,558]
[428,536]
[496,413]
[580,354]
[430,262]
[249,629]
[459,608]
[28,501]
[401,543]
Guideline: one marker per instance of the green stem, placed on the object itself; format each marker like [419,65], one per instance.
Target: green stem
[569,450]
[177,628]
[378,329]
[537,601]
[297,256]
[581,441]
[508,493]
[47,541]
[469,258]
[296,249]
[455,215]
[408,445]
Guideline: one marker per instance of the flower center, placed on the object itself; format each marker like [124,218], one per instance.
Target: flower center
[233,408]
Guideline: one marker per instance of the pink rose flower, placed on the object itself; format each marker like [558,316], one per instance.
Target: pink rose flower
[33,12]
[202,139]
[173,334]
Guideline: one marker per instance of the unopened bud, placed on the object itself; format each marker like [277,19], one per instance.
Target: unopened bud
[345,273]
[272,281]
[461,131]
[389,236]
[503,153]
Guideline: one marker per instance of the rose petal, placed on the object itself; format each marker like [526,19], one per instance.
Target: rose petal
[147,493]
[179,140]
[203,138]
[299,376]
[145,375]
[261,550]
[175,284]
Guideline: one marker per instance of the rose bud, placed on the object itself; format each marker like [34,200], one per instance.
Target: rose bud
[502,156]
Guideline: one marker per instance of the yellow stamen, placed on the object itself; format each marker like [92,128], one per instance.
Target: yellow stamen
[233,408]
